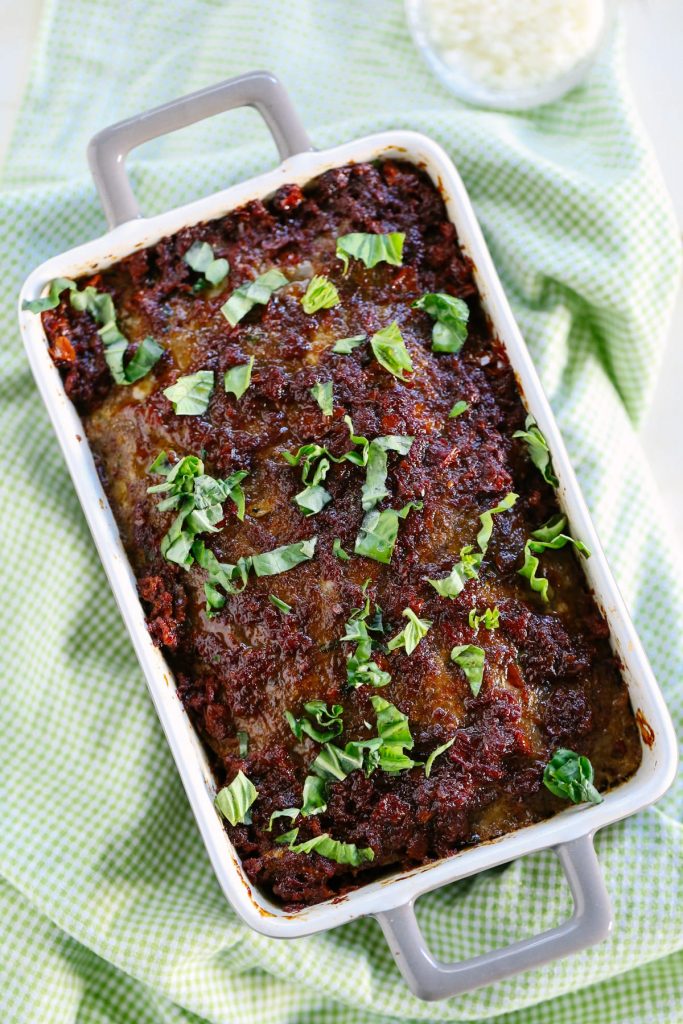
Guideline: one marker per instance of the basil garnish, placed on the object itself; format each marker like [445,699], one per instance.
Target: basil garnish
[345,346]
[190,395]
[237,379]
[234,801]
[331,849]
[470,560]
[199,500]
[201,259]
[570,775]
[449,333]
[243,740]
[322,392]
[361,670]
[320,294]
[437,753]
[371,249]
[232,578]
[281,606]
[329,721]
[338,550]
[51,300]
[394,731]
[490,619]
[539,453]
[410,635]
[146,355]
[374,489]
[391,352]
[252,293]
[379,531]
[271,563]
[548,536]
[471,660]
[458,409]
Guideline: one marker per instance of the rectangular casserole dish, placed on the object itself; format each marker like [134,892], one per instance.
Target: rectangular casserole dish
[392,898]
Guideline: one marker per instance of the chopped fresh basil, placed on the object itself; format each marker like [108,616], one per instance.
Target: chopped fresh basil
[410,635]
[437,752]
[449,333]
[51,300]
[146,355]
[237,379]
[379,531]
[271,563]
[243,740]
[281,606]
[312,499]
[322,392]
[490,619]
[371,249]
[458,409]
[390,351]
[570,775]
[466,569]
[201,259]
[338,550]
[374,489]
[539,453]
[486,518]
[335,763]
[231,578]
[549,536]
[361,670]
[190,395]
[394,731]
[329,721]
[287,812]
[345,346]
[314,800]
[234,801]
[198,499]
[471,660]
[252,293]
[331,849]
[320,294]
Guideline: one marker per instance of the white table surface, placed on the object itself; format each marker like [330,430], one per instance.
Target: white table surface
[655,66]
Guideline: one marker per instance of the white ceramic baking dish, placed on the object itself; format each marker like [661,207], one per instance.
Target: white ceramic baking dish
[392,898]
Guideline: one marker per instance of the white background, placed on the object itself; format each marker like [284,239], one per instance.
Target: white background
[655,65]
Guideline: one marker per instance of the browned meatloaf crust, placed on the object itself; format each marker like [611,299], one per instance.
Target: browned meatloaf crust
[550,678]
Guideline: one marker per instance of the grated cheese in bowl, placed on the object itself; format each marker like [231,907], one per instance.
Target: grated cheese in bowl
[509,50]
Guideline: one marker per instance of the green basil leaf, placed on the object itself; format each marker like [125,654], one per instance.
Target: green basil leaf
[379,531]
[146,356]
[466,569]
[287,812]
[334,763]
[243,740]
[51,300]
[458,409]
[282,606]
[322,392]
[539,453]
[345,346]
[271,563]
[329,721]
[314,799]
[234,801]
[371,249]
[437,753]
[410,635]
[201,259]
[312,499]
[471,660]
[486,518]
[548,536]
[374,489]
[365,673]
[190,395]
[331,849]
[391,352]
[338,550]
[394,731]
[570,775]
[238,378]
[450,330]
[320,294]
[490,619]
[252,293]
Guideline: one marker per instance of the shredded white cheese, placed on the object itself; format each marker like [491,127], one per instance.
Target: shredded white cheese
[513,44]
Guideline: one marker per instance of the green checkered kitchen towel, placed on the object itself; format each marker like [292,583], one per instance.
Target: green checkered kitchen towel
[109,908]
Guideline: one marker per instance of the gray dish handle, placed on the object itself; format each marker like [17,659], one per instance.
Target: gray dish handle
[108,149]
[590,923]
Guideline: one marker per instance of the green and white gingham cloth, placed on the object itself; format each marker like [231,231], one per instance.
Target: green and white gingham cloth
[109,910]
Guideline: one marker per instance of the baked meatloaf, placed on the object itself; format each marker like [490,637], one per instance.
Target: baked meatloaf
[344,529]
